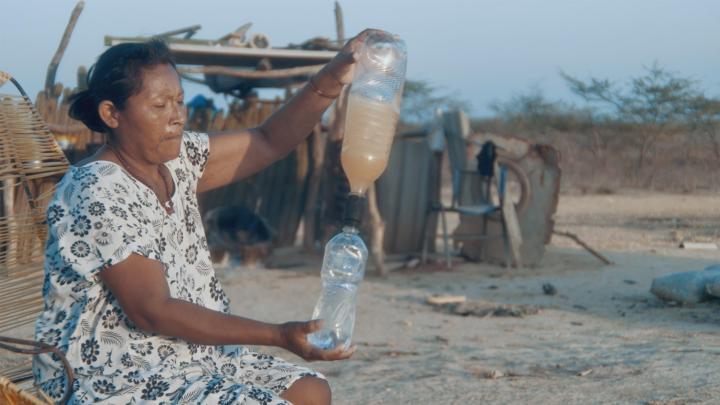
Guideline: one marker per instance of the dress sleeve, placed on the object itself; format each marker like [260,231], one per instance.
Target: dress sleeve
[194,154]
[96,221]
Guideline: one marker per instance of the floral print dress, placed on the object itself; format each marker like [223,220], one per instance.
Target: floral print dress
[98,217]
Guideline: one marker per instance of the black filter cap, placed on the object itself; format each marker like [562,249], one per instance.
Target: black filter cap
[354,207]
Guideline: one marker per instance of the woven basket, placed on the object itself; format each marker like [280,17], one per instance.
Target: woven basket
[31,162]
[11,394]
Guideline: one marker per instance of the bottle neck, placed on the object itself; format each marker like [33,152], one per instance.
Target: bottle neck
[352,215]
[350,229]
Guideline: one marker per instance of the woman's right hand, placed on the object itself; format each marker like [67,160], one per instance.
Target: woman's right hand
[340,70]
[293,337]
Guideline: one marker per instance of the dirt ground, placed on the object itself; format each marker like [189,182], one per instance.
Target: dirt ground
[602,338]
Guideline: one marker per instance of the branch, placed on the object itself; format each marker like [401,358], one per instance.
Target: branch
[584,245]
[339,25]
[55,62]
[253,74]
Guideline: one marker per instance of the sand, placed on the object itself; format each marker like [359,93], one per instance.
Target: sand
[602,338]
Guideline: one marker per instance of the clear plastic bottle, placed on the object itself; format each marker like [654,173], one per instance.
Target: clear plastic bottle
[372,113]
[342,271]
[373,109]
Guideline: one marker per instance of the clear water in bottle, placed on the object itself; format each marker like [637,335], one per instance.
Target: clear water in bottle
[343,269]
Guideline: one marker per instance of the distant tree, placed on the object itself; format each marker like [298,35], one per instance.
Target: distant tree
[421,99]
[532,110]
[704,119]
[656,104]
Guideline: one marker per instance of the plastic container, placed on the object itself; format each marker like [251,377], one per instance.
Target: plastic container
[373,109]
[342,271]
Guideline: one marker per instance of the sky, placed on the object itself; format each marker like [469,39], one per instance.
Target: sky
[478,50]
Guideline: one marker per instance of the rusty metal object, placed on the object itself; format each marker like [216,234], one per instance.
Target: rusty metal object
[534,187]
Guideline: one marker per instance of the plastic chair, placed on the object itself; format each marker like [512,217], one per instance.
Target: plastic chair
[480,202]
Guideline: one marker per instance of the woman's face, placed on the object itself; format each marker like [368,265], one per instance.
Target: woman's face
[151,124]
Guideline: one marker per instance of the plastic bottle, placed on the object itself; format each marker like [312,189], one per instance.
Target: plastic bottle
[342,271]
[373,109]
[372,113]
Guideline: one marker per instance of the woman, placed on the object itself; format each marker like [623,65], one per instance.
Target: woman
[130,293]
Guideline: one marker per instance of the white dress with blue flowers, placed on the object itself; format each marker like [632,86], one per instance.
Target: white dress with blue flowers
[98,217]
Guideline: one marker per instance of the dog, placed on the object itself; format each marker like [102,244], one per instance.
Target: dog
[236,233]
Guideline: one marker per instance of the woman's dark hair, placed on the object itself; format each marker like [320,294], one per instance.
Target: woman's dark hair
[116,76]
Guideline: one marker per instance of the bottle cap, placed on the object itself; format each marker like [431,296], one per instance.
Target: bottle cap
[353,210]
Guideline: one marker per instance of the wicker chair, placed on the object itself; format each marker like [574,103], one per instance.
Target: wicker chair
[31,162]
[12,394]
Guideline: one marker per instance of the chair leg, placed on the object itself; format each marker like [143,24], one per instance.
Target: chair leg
[423,257]
[484,235]
[446,241]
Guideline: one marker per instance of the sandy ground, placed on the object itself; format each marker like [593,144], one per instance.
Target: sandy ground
[603,338]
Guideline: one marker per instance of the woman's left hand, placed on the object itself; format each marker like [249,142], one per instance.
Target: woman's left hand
[294,339]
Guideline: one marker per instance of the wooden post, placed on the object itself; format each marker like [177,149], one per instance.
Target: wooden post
[252,74]
[52,69]
[512,226]
[377,227]
[339,25]
[337,124]
[310,218]
[82,79]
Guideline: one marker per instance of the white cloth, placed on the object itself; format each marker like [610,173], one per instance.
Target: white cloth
[98,217]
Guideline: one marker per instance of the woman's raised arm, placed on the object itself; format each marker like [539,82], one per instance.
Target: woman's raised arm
[235,155]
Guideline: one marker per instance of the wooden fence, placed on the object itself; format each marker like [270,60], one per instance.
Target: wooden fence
[282,193]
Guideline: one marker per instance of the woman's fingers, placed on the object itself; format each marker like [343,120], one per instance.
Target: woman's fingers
[341,67]
[339,353]
[297,342]
[352,46]
[363,34]
[312,326]
[344,354]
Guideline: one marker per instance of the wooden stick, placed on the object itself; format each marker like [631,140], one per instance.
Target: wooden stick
[339,25]
[318,157]
[188,31]
[189,78]
[69,128]
[512,225]
[377,225]
[253,74]
[52,69]
[445,299]
[238,34]
[584,245]
[699,246]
